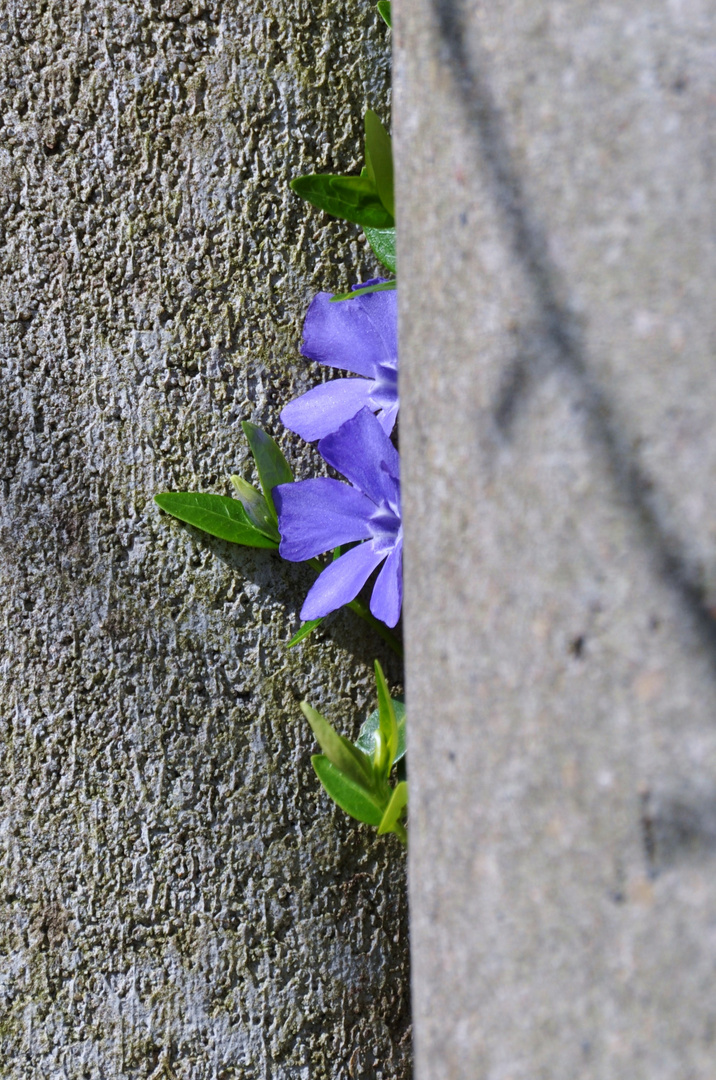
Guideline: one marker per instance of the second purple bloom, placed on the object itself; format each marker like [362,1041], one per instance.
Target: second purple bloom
[318,515]
[358,335]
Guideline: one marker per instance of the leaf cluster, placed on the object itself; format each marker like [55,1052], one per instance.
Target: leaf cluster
[367,200]
[357,775]
[251,519]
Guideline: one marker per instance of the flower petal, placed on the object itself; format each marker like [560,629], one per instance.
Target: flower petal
[358,335]
[384,317]
[341,581]
[320,514]
[387,598]
[358,450]
[387,418]
[323,409]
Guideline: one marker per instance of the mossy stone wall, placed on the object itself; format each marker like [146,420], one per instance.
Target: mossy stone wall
[176,897]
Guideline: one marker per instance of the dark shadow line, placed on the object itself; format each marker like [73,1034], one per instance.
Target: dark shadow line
[558,331]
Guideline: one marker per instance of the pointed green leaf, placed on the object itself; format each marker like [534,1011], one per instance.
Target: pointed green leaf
[256,507]
[390,822]
[217,515]
[379,159]
[368,173]
[272,466]
[366,738]
[303,631]
[382,241]
[383,286]
[339,751]
[350,796]
[384,11]
[353,198]
[388,725]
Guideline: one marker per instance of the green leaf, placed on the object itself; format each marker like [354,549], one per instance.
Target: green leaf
[256,507]
[350,796]
[368,173]
[272,466]
[217,515]
[366,738]
[387,748]
[339,751]
[384,11]
[382,242]
[353,198]
[383,286]
[390,822]
[303,631]
[379,159]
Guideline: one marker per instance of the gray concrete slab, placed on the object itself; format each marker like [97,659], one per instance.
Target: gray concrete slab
[556,165]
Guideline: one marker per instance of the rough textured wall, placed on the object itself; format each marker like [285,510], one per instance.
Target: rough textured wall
[176,898]
[558,388]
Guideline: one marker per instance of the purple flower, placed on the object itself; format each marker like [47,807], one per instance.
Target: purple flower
[360,335]
[320,514]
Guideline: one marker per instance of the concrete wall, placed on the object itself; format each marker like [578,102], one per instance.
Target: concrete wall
[556,239]
[176,898]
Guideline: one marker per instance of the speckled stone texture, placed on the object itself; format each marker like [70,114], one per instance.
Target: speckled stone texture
[177,899]
[556,164]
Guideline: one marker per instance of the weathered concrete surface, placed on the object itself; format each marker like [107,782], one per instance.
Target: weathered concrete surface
[557,251]
[176,898]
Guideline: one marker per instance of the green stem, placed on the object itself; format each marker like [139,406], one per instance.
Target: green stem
[363,612]
[380,628]
[385,286]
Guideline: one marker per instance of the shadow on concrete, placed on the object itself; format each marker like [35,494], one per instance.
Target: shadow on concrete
[288,583]
[556,343]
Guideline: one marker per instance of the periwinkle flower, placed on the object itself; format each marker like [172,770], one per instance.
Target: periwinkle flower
[321,514]
[359,335]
